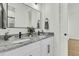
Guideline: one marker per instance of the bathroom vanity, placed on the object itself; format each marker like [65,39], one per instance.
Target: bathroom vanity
[41,46]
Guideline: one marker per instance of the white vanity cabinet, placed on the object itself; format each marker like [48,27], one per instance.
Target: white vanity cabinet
[35,52]
[34,49]
[47,47]
[39,48]
[24,50]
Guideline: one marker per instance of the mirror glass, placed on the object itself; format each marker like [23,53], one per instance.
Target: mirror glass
[22,15]
[0,16]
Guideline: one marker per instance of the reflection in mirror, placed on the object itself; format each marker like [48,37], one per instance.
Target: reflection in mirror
[0,16]
[11,16]
[3,16]
[22,15]
[34,19]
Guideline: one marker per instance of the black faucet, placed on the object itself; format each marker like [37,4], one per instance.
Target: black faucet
[20,34]
[6,36]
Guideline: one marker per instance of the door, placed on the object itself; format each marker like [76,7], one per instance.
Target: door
[63,22]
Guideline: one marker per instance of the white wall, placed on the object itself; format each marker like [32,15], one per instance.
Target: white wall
[51,11]
[48,11]
[73,10]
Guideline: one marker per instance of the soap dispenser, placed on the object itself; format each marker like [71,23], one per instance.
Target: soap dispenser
[6,36]
[46,24]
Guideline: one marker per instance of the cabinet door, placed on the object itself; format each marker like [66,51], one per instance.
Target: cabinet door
[52,48]
[35,52]
[46,47]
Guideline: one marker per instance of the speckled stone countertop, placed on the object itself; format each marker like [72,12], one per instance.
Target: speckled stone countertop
[7,46]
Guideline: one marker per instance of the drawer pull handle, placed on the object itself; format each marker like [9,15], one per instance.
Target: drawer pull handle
[48,48]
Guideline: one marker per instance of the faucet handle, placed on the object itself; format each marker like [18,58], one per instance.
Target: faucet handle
[6,33]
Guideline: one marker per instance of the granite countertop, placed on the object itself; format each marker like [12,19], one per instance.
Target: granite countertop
[7,45]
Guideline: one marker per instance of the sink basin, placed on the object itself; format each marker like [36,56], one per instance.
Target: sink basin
[42,36]
[14,40]
[20,40]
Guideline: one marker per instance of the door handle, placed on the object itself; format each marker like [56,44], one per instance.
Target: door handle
[65,34]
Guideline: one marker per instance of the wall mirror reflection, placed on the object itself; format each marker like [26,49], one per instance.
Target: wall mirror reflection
[11,16]
[22,16]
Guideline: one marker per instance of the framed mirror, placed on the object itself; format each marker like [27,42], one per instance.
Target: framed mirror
[21,15]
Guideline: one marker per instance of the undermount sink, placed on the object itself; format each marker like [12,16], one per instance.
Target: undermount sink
[42,36]
[20,40]
[14,40]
